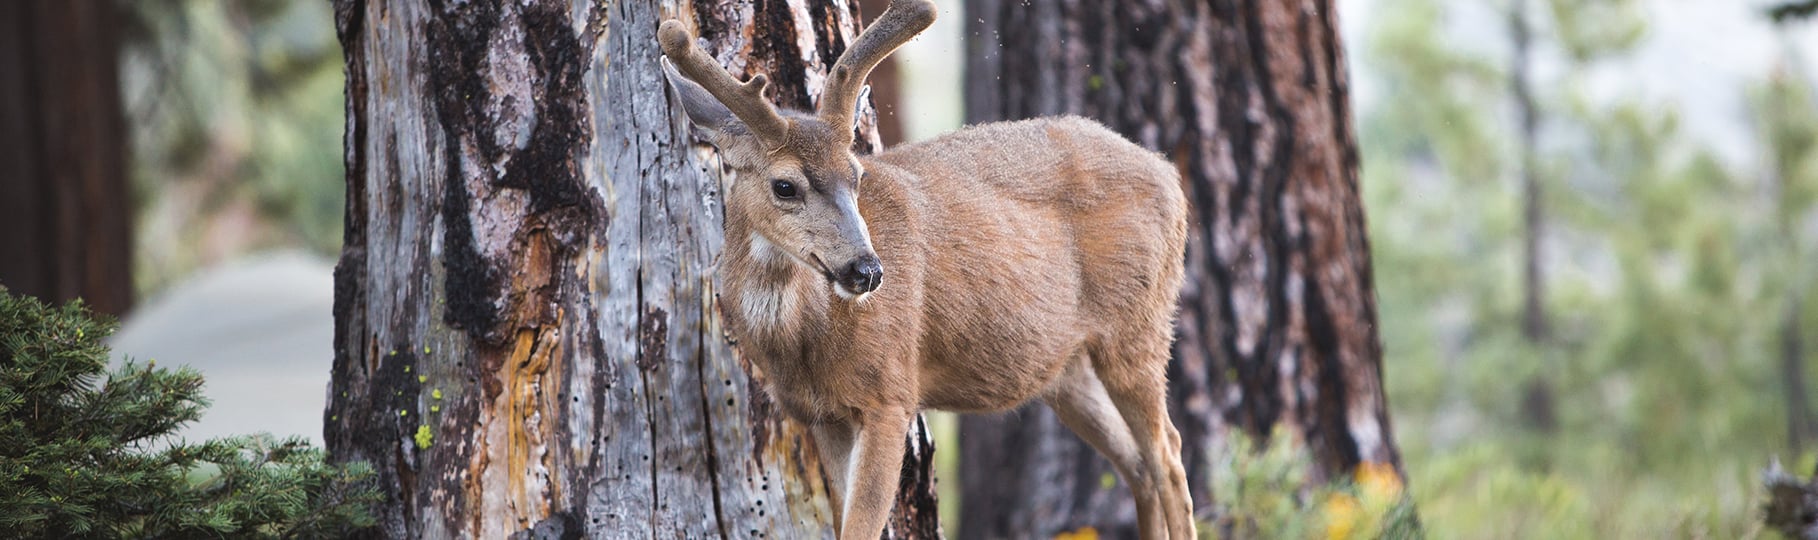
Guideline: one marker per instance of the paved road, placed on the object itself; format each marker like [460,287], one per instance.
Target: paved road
[260,329]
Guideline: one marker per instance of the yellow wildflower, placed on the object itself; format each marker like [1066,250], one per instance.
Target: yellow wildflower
[1342,514]
[1378,483]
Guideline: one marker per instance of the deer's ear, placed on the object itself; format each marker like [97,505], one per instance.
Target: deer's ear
[704,111]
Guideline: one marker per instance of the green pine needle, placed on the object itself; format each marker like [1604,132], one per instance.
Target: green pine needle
[90,454]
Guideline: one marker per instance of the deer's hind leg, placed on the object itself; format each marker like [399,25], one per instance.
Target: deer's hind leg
[1079,400]
[1134,376]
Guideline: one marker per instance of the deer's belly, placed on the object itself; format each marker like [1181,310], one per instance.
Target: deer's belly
[809,406]
[993,377]
[1000,352]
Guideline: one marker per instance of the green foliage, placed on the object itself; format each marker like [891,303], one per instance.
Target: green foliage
[1588,29]
[1259,492]
[93,456]
[1262,493]
[1670,273]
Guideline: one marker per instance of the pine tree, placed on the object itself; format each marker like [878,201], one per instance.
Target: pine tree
[88,454]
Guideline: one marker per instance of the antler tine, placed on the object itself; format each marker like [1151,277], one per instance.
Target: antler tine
[899,23]
[746,101]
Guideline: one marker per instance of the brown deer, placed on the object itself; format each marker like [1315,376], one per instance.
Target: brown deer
[971,273]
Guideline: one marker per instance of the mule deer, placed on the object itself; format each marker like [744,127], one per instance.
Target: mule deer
[972,272]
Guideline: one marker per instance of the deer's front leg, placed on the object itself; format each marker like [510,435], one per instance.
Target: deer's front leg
[834,442]
[877,467]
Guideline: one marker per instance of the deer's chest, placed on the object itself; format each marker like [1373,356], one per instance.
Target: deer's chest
[765,311]
[809,388]
[776,329]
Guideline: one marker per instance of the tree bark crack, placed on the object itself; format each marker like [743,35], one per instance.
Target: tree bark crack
[713,462]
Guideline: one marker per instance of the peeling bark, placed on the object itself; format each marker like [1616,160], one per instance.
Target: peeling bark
[526,335]
[1278,320]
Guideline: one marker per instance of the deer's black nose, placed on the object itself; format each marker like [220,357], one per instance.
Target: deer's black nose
[863,274]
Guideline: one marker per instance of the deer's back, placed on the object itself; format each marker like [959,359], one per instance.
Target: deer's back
[1039,236]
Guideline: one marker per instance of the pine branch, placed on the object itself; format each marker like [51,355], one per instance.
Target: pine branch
[75,457]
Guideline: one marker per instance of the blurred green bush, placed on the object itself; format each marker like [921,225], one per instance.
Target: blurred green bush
[236,117]
[1263,494]
[1676,282]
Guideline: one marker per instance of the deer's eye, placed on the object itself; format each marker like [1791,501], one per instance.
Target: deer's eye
[783,189]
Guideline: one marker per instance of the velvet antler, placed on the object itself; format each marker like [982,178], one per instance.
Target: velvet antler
[899,23]
[746,101]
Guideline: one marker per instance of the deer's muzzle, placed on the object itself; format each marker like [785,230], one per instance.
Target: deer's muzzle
[862,275]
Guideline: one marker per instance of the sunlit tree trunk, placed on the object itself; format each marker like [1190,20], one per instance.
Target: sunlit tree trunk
[64,206]
[526,337]
[1278,322]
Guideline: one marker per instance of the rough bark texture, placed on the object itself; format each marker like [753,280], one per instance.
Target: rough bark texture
[63,197]
[526,337]
[1278,320]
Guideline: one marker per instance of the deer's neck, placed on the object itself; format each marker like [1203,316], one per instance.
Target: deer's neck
[779,312]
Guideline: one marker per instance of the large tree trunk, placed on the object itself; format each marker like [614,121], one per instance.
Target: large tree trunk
[64,204]
[526,337]
[1278,319]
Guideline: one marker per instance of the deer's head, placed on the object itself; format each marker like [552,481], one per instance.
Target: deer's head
[797,184]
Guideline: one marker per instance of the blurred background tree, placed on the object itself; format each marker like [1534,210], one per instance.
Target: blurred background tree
[1788,122]
[64,205]
[236,109]
[1673,281]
